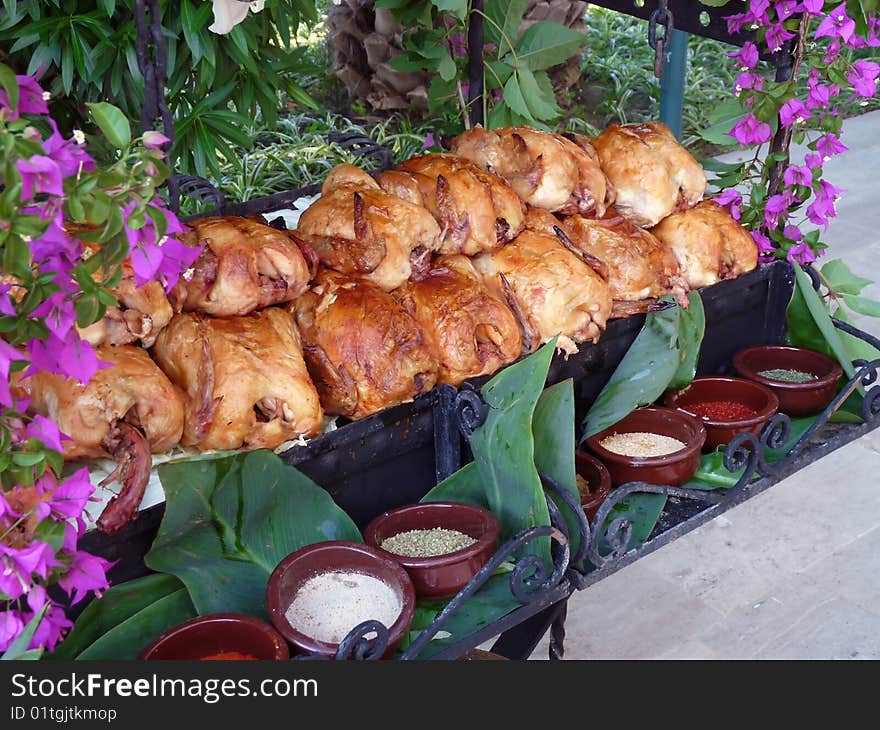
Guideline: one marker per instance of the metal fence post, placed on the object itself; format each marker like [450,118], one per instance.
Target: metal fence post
[672,82]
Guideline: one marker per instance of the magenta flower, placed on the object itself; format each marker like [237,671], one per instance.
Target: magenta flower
[801,253]
[813,161]
[72,357]
[154,140]
[6,511]
[8,355]
[829,146]
[39,174]
[832,52]
[798,175]
[731,199]
[776,36]
[786,8]
[813,7]
[746,57]
[58,313]
[54,623]
[45,430]
[457,45]
[748,81]
[17,567]
[824,206]
[837,24]
[67,154]
[793,112]
[70,498]
[430,141]
[55,247]
[163,260]
[87,573]
[750,130]
[775,207]
[819,96]
[736,22]
[765,245]
[11,625]
[863,77]
[31,98]
[6,306]
[793,233]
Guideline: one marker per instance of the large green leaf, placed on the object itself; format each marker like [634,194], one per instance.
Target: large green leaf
[229,521]
[463,486]
[862,305]
[692,327]
[112,122]
[116,606]
[843,281]
[721,120]
[502,23]
[538,94]
[547,44]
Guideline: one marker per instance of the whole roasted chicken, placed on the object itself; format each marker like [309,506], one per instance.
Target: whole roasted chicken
[472,331]
[245,266]
[356,228]
[477,210]
[552,171]
[364,351]
[125,412]
[552,290]
[244,381]
[652,174]
[708,243]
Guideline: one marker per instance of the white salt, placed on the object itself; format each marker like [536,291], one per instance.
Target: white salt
[331,604]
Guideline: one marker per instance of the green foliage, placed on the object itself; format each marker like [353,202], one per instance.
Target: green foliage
[18,650]
[216,84]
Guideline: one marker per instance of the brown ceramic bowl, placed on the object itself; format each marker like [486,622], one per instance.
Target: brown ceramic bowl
[218,633]
[795,399]
[440,576]
[671,469]
[334,556]
[597,476]
[759,398]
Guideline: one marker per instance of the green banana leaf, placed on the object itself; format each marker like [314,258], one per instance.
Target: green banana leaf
[691,328]
[126,618]
[229,521]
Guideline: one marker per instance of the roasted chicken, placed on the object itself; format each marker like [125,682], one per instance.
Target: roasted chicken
[551,289]
[125,412]
[472,331]
[245,266]
[551,171]
[708,243]
[244,381]
[356,228]
[364,351]
[652,174]
[477,210]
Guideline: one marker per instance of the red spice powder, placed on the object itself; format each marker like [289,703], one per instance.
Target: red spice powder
[229,655]
[722,410]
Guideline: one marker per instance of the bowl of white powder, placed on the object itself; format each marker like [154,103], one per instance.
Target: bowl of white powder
[318,594]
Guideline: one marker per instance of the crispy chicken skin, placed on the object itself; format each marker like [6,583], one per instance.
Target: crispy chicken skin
[125,412]
[652,174]
[472,331]
[637,265]
[365,352]
[244,381]
[556,172]
[552,290]
[245,266]
[356,228]
[477,211]
[709,244]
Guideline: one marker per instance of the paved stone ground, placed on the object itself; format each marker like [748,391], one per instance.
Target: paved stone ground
[792,573]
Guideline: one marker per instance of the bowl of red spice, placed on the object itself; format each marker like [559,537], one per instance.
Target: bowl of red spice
[593,482]
[805,381]
[441,545]
[319,593]
[654,444]
[726,406]
[218,636]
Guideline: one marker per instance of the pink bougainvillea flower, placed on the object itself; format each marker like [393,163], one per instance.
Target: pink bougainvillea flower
[39,174]
[863,77]
[11,625]
[748,81]
[154,140]
[801,253]
[829,146]
[813,161]
[776,37]
[798,175]
[819,96]
[823,208]
[67,154]
[6,511]
[18,567]
[72,357]
[8,355]
[837,24]
[176,258]
[54,623]
[31,98]
[731,199]
[6,306]
[750,130]
[58,313]
[765,245]
[813,7]
[786,8]
[430,140]
[87,573]
[736,22]
[45,430]
[793,233]
[457,45]
[164,260]
[832,52]
[69,498]
[746,57]
[793,112]
[775,207]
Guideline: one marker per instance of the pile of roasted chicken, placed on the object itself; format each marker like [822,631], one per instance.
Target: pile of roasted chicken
[447,267]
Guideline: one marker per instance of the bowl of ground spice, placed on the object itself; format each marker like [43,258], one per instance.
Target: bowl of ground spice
[319,593]
[726,406]
[593,482]
[656,445]
[805,381]
[219,636]
[441,545]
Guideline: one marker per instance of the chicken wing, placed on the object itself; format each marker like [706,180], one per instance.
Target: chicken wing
[244,381]
[477,210]
[365,352]
[125,412]
[245,266]
[552,171]
[472,331]
[358,229]
[708,243]
[652,174]
[552,290]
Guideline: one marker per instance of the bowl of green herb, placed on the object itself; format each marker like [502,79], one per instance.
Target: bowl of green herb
[805,381]
[441,545]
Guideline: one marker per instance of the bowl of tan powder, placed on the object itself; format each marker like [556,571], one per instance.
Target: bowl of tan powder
[319,593]
[655,445]
[441,545]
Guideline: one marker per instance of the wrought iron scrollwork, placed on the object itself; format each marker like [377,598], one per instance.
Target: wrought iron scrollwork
[364,146]
[357,646]
[470,411]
